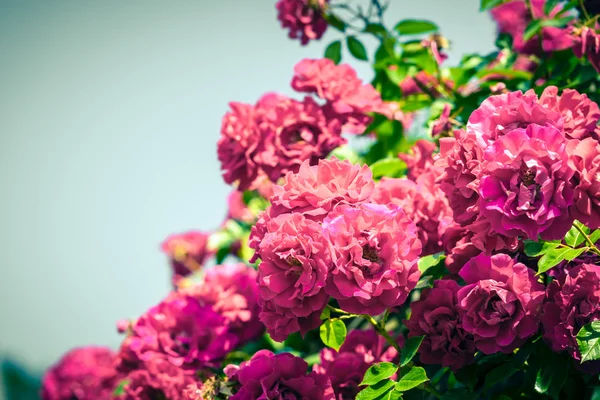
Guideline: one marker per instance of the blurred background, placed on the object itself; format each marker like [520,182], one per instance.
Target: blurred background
[109,116]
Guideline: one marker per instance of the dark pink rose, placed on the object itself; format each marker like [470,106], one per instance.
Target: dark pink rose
[237,144]
[501,302]
[423,202]
[85,373]
[187,252]
[587,43]
[346,368]
[158,379]
[375,253]
[295,262]
[303,18]
[580,114]
[573,301]
[458,247]
[278,377]
[315,190]
[232,292]
[348,99]
[525,187]
[585,160]
[179,329]
[292,132]
[438,317]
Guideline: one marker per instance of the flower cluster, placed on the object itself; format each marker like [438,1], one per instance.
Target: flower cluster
[323,237]
[276,135]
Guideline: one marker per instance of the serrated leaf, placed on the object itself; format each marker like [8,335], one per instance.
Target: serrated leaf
[378,372]
[588,340]
[376,391]
[334,51]
[553,257]
[333,333]
[356,48]
[489,4]
[415,26]
[499,374]
[391,167]
[574,237]
[535,249]
[413,378]
[410,349]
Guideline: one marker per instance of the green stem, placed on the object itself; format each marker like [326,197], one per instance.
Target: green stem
[382,332]
[591,245]
[583,9]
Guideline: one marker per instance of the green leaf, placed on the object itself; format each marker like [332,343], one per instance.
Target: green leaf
[333,333]
[377,391]
[410,349]
[595,236]
[574,238]
[336,22]
[326,313]
[391,167]
[430,261]
[334,51]
[376,29]
[378,372]
[532,29]
[499,374]
[588,339]
[413,378]
[489,4]
[552,373]
[357,49]
[553,257]
[120,389]
[415,26]
[535,249]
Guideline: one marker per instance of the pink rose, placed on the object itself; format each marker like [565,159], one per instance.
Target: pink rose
[295,261]
[585,160]
[157,379]
[375,253]
[501,302]
[187,252]
[580,114]
[304,18]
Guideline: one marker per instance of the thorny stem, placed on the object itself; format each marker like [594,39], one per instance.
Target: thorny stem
[591,245]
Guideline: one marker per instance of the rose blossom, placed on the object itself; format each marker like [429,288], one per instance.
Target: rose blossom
[585,160]
[291,276]
[315,190]
[524,186]
[501,302]
[158,379]
[375,252]
[346,368]
[348,99]
[85,373]
[291,132]
[438,316]
[277,376]
[186,251]
[181,330]
[304,18]
[573,301]
[458,247]
[232,292]
[423,202]
[587,42]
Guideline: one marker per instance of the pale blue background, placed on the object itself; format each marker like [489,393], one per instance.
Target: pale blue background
[109,115]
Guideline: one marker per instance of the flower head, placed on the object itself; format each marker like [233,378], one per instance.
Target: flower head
[158,379]
[585,160]
[187,252]
[304,18]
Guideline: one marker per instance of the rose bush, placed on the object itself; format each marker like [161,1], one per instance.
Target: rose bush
[431,234]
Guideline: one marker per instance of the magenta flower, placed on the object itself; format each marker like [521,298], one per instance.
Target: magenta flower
[585,160]
[437,315]
[187,252]
[315,190]
[179,329]
[587,43]
[232,292]
[458,247]
[158,379]
[278,377]
[525,185]
[346,368]
[375,252]
[85,373]
[304,18]
[348,99]
[295,265]
[573,301]
[501,302]
[423,202]
[580,114]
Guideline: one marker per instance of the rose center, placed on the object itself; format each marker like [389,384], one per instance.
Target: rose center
[370,253]
[293,261]
[528,177]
